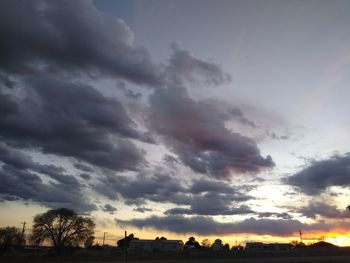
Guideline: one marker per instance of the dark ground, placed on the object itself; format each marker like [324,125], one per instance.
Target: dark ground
[314,256]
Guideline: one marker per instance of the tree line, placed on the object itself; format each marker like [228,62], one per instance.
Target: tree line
[65,228]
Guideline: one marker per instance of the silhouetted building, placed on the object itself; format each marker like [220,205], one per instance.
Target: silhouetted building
[155,245]
[122,243]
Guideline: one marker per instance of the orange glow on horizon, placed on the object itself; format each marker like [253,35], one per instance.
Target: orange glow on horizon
[339,237]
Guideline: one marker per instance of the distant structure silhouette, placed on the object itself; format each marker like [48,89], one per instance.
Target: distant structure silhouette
[124,242]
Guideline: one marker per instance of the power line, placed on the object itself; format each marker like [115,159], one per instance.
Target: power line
[104,238]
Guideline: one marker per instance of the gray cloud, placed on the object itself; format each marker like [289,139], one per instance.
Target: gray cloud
[282,215]
[314,209]
[320,175]
[218,187]
[237,115]
[213,198]
[184,67]
[196,132]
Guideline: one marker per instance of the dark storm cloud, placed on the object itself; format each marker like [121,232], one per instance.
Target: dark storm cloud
[85,176]
[83,167]
[37,35]
[20,180]
[75,120]
[203,197]
[196,132]
[6,82]
[314,209]
[58,173]
[218,187]
[7,105]
[142,209]
[109,208]
[320,175]
[207,226]
[184,67]
[158,188]
[274,136]
[170,160]
[237,115]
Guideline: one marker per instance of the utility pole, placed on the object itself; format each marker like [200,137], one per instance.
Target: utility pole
[301,236]
[23,230]
[104,238]
[126,247]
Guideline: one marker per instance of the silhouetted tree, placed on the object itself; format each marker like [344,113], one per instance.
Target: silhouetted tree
[217,245]
[9,236]
[192,243]
[206,243]
[237,247]
[297,244]
[226,247]
[89,241]
[63,227]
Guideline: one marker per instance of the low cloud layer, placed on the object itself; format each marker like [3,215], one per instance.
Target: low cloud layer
[203,197]
[207,226]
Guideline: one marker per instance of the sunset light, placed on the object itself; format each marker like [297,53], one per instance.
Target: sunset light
[223,124]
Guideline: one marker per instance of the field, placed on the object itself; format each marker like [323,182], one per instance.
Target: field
[324,259]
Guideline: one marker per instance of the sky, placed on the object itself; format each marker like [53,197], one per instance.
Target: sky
[177,118]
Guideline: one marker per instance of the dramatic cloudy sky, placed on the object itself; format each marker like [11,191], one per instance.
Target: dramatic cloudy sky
[209,118]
